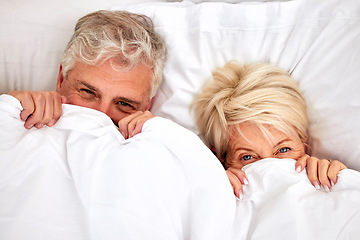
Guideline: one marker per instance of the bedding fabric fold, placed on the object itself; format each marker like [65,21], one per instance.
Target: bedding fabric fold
[81,180]
[280,203]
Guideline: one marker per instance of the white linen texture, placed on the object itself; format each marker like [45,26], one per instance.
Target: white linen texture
[81,180]
[317,41]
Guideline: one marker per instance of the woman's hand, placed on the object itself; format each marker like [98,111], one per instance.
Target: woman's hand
[39,108]
[237,178]
[321,172]
[132,124]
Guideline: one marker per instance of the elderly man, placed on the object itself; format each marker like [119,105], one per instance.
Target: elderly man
[113,63]
[81,178]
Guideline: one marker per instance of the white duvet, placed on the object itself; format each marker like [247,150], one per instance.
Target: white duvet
[81,180]
[280,203]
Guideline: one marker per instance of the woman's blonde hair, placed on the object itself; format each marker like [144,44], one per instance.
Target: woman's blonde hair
[127,39]
[254,93]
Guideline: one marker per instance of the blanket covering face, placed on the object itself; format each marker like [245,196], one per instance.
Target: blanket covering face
[280,203]
[81,180]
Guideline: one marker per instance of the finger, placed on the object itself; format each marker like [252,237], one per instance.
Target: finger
[236,185]
[323,166]
[334,169]
[301,163]
[135,126]
[240,174]
[39,101]
[26,101]
[57,109]
[28,106]
[123,124]
[48,109]
[312,171]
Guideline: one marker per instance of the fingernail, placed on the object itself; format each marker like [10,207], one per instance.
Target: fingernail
[327,189]
[317,186]
[51,123]
[241,195]
[298,169]
[133,133]
[332,183]
[245,181]
[40,125]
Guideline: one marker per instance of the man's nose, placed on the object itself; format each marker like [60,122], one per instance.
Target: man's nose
[103,107]
[106,108]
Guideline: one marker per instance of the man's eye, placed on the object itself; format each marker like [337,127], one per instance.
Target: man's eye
[123,104]
[246,158]
[284,149]
[87,91]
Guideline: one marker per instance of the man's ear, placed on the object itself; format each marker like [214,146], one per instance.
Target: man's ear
[60,79]
[148,106]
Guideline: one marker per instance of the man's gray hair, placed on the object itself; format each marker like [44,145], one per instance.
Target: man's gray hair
[126,39]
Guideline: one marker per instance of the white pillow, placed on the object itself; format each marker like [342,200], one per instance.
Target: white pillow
[317,41]
[238,1]
[34,35]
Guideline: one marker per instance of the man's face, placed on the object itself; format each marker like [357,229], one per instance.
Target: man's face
[115,93]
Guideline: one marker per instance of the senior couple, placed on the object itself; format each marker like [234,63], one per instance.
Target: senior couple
[113,63]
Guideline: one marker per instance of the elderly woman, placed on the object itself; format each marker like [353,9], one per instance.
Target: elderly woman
[256,111]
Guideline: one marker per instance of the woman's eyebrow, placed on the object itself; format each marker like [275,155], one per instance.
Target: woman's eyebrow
[282,141]
[244,149]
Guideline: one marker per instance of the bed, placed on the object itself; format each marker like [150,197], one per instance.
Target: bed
[111,190]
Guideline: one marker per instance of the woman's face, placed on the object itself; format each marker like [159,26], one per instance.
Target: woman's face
[252,145]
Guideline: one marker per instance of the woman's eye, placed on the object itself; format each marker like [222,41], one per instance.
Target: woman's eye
[246,158]
[284,150]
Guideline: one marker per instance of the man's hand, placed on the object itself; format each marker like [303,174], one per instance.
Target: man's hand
[132,124]
[321,172]
[39,108]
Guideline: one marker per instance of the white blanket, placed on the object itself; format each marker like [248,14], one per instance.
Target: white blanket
[81,180]
[280,203]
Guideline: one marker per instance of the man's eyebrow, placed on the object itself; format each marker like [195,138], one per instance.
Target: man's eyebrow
[87,85]
[124,99]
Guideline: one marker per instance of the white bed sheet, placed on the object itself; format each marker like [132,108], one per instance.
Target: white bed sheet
[280,203]
[316,40]
[82,180]
[58,192]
